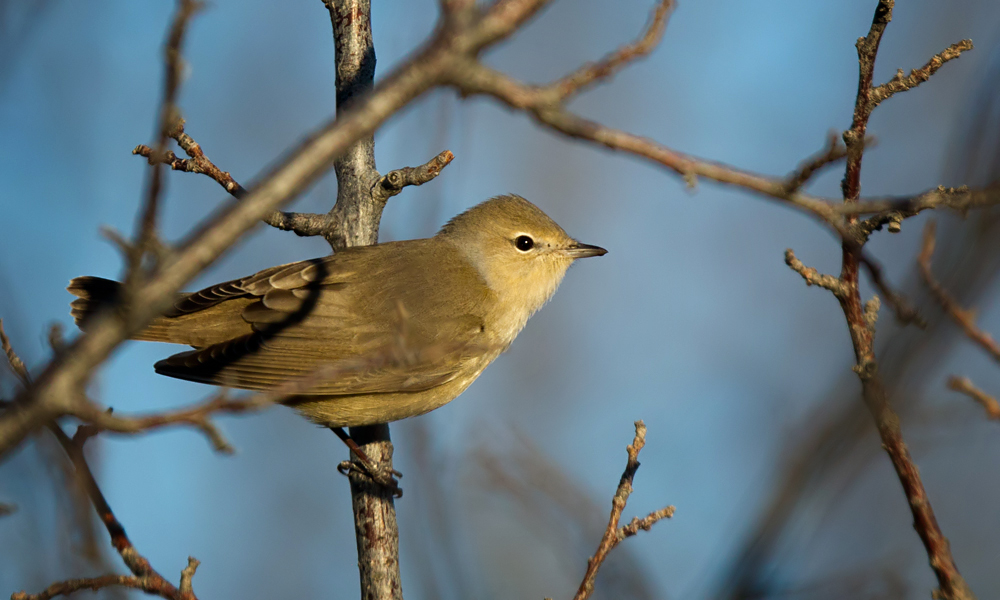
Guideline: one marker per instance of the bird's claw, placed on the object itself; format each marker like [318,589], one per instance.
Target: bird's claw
[379,476]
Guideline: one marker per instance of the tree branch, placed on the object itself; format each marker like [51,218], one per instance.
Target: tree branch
[302,224]
[951,584]
[966,319]
[965,386]
[901,83]
[814,277]
[613,534]
[591,73]
[146,239]
[144,576]
[357,213]
[831,153]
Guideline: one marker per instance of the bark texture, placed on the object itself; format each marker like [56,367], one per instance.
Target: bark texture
[358,212]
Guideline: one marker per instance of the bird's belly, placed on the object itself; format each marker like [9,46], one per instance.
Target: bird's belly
[369,409]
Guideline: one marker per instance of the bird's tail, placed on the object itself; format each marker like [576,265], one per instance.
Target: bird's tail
[95,294]
[92,295]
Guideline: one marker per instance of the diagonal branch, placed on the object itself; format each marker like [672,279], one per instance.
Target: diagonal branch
[901,83]
[830,154]
[905,313]
[473,78]
[168,115]
[966,319]
[591,73]
[965,386]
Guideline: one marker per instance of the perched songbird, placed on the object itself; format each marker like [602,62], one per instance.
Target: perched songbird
[467,291]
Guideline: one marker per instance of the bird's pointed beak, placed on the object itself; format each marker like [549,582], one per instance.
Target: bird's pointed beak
[578,250]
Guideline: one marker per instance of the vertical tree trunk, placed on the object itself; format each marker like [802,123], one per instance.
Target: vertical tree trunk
[359,213]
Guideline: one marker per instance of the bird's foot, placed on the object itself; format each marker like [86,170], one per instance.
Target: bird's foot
[364,468]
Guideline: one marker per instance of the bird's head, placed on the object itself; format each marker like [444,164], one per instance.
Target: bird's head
[518,250]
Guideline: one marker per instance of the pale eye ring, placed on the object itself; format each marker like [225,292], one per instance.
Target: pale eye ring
[524,243]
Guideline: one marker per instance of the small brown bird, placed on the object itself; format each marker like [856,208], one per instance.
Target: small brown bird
[468,290]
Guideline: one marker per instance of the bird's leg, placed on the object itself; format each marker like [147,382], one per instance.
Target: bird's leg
[369,468]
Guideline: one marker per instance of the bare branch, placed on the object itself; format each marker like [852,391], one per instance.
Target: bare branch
[863,106]
[960,199]
[905,313]
[168,115]
[591,73]
[197,163]
[144,576]
[393,182]
[831,153]
[893,219]
[473,78]
[901,83]
[71,586]
[965,386]
[187,574]
[613,534]
[951,584]
[814,277]
[966,319]
[303,224]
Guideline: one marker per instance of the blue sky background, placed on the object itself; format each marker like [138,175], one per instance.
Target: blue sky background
[692,322]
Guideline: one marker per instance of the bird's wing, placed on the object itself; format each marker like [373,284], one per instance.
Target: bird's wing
[366,320]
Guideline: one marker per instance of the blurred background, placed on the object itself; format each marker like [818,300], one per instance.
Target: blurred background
[692,322]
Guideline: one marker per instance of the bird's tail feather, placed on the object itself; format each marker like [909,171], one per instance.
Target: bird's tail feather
[95,294]
[198,328]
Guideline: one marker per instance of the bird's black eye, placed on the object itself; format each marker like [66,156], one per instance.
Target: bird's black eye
[524,243]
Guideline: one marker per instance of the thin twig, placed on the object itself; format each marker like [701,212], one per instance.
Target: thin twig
[145,577]
[966,319]
[393,182]
[613,534]
[960,199]
[812,276]
[832,152]
[590,73]
[965,386]
[905,313]
[94,584]
[168,115]
[901,83]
